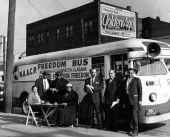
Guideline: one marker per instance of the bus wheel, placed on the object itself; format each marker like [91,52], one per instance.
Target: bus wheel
[23,102]
[25,107]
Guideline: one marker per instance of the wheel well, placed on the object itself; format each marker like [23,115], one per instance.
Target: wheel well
[23,95]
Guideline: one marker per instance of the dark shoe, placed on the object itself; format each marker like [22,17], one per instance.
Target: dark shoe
[130,133]
[135,134]
[99,127]
[114,129]
[90,126]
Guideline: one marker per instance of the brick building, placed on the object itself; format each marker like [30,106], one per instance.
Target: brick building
[80,27]
[156,29]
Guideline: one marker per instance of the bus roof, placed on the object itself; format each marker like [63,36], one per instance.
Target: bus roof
[90,51]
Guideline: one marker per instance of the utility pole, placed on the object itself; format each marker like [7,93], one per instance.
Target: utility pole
[82,31]
[9,56]
[4,58]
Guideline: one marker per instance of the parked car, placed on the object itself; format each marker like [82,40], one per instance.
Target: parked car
[2,96]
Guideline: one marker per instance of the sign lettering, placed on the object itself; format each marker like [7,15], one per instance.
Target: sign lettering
[72,69]
[117,22]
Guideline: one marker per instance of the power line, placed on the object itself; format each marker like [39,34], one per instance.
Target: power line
[32,5]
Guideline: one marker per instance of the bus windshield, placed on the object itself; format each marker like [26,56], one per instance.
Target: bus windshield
[145,67]
[167,62]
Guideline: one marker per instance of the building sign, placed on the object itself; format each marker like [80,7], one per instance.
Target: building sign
[72,69]
[117,22]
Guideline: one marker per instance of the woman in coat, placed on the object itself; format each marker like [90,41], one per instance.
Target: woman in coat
[68,111]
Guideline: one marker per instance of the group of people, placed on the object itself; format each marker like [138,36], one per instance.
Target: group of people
[59,92]
[118,91]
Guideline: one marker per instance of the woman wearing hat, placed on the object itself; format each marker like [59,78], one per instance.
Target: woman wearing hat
[67,113]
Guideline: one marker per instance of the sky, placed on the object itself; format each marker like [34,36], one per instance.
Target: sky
[28,11]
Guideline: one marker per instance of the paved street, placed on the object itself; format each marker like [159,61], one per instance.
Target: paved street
[13,125]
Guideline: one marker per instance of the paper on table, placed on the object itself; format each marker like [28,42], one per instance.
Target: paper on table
[89,90]
[36,103]
[113,104]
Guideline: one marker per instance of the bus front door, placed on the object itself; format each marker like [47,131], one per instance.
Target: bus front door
[119,63]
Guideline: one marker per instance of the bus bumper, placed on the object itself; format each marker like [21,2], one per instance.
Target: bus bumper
[154,119]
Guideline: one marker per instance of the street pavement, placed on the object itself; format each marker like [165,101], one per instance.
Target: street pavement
[13,125]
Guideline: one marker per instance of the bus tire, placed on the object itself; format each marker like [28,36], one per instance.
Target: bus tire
[23,102]
[24,106]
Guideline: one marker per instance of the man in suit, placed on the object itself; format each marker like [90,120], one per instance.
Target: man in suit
[112,94]
[43,84]
[134,95]
[59,84]
[93,86]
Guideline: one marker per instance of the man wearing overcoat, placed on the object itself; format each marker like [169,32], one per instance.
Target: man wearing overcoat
[134,96]
[93,86]
[112,95]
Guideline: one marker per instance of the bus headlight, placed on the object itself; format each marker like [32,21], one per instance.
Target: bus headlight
[152,97]
[1,93]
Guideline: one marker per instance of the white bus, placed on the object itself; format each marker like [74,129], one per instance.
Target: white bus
[151,60]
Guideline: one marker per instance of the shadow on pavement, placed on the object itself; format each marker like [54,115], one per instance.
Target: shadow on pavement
[13,125]
[124,127]
[146,127]
[25,131]
[58,133]
[12,118]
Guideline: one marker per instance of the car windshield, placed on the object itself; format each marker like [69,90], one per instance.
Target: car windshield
[145,67]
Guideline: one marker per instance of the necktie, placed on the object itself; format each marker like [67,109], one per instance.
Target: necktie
[44,84]
[127,85]
[92,81]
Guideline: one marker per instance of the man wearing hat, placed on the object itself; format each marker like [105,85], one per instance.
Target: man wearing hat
[43,84]
[59,84]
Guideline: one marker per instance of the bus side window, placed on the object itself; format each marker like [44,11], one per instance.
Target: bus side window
[98,64]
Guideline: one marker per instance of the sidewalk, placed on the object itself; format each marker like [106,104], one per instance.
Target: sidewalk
[13,125]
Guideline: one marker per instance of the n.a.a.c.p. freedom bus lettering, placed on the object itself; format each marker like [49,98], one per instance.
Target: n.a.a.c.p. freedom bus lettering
[28,72]
[51,65]
[80,62]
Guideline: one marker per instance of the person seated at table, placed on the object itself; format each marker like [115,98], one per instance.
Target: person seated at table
[34,100]
[67,113]
[59,83]
[52,96]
